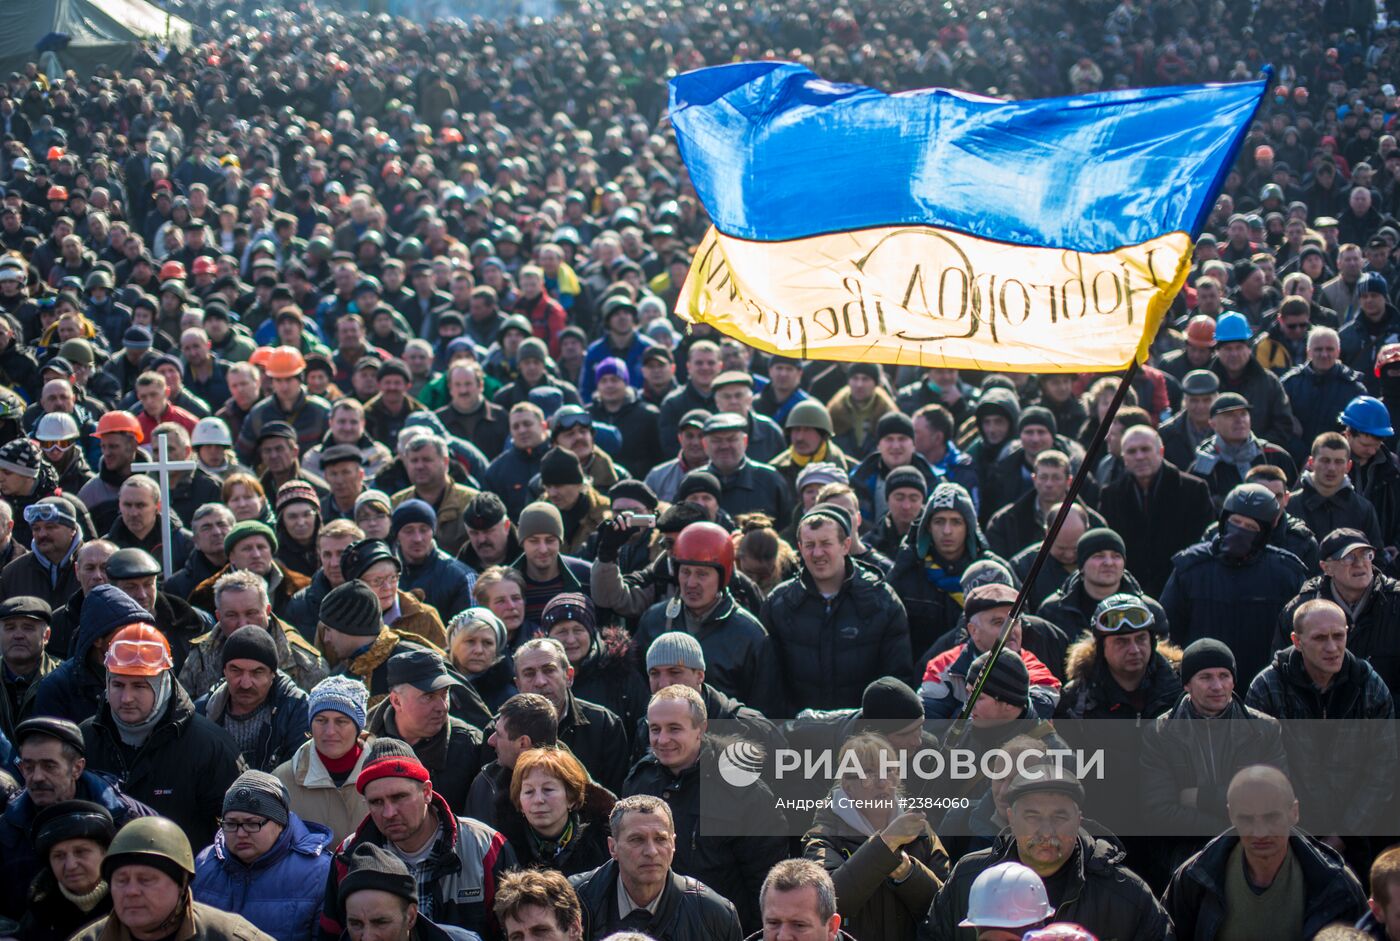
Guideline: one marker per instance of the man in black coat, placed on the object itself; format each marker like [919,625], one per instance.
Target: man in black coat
[1157,509]
[663,904]
[1325,498]
[1101,573]
[1224,458]
[1025,521]
[256,703]
[745,485]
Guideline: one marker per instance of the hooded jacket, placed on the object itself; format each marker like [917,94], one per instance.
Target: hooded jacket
[688,910]
[829,650]
[935,610]
[285,729]
[281,891]
[1091,692]
[182,770]
[1195,899]
[75,689]
[1104,896]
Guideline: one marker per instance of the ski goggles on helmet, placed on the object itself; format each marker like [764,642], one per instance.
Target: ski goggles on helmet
[1123,616]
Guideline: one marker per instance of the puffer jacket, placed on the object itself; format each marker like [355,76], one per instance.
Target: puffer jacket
[1072,609]
[315,796]
[1092,693]
[1183,751]
[1237,603]
[688,910]
[182,771]
[1344,771]
[466,865]
[739,656]
[283,733]
[1104,896]
[1195,899]
[1373,623]
[860,864]
[828,651]
[281,891]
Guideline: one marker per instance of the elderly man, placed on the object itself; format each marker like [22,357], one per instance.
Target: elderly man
[592,732]
[1263,877]
[745,485]
[138,521]
[24,630]
[147,731]
[416,712]
[1224,458]
[491,539]
[260,707]
[426,460]
[240,600]
[210,523]
[47,571]
[469,414]
[463,859]
[1084,877]
[638,890]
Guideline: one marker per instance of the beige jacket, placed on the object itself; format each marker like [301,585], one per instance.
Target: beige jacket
[315,796]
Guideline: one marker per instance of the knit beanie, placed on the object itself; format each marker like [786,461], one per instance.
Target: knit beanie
[352,608]
[892,700]
[612,366]
[986,572]
[1037,415]
[294,491]
[340,694]
[249,528]
[1009,681]
[251,642]
[540,519]
[412,511]
[569,606]
[676,647]
[257,792]
[894,423]
[1206,654]
[869,370]
[560,467]
[1101,539]
[698,481]
[906,477]
[21,456]
[375,868]
[634,490]
[473,618]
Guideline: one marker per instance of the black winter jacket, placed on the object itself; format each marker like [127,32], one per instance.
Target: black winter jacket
[1345,508]
[688,910]
[829,651]
[1072,609]
[596,737]
[1176,511]
[1374,633]
[453,756]
[282,735]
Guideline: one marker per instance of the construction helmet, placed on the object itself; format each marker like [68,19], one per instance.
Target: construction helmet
[1232,328]
[260,356]
[1008,895]
[809,413]
[1390,353]
[172,271]
[205,265]
[1368,415]
[705,544]
[119,421]
[1061,931]
[138,650]
[211,431]
[151,841]
[1200,331]
[286,362]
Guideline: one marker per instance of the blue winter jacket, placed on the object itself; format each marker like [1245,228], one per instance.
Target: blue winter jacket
[282,891]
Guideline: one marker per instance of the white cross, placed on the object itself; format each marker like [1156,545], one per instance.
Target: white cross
[164,468]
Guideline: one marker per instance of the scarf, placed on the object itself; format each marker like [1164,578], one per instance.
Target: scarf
[550,849]
[88,900]
[816,457]
[342,765]
[50,569]
[943,578]
[1241,455]
[136,733]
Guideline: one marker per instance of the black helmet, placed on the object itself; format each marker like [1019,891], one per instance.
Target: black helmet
[1254,501]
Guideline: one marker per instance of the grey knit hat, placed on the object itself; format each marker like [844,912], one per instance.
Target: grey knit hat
[473,618]
[540,519]
[676,647]
[341,694]
[352,608]
[257,792]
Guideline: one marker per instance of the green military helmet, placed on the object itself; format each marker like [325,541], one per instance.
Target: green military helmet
[151,841]
[809,413]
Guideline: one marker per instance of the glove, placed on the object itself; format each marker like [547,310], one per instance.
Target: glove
[612,536]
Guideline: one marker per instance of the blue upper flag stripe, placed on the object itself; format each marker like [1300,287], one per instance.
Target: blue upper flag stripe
[777,153]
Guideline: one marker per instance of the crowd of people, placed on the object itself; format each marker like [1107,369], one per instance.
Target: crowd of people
[473,538]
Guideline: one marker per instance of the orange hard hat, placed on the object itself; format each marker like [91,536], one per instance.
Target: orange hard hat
[260,357]
[286,362]
[58,192]
[705,544]
[123,422]
[262,191]
[1200,331]
[138,650]
[55,153]
[172,271]
[205,265]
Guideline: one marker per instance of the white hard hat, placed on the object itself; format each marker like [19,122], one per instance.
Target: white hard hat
[56,426]
[211,431]
[1008,895]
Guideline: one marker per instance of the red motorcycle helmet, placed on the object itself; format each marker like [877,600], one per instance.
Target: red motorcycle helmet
[705,544]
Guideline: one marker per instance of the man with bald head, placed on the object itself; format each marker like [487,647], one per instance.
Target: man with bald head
[1063,561]
[1263,877]
[1158,509]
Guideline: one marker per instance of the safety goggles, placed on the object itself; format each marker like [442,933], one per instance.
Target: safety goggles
[138,653]
[573,421]
[46,513]
[1125,617]
[64,444]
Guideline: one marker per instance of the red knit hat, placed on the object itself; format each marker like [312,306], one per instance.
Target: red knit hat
[392,767]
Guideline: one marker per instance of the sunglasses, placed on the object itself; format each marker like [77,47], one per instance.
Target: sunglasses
[1128,617]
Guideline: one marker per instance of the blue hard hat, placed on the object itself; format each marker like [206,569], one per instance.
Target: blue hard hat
[1232,327]
[1368,415]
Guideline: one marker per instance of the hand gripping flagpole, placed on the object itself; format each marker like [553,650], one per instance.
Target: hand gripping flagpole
[163,468]
[1091,457]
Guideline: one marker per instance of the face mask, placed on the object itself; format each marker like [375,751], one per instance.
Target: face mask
[1236,542]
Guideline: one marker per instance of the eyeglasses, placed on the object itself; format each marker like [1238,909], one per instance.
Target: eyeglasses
[247,826]
[1132,617]
[45,513]
[383,581]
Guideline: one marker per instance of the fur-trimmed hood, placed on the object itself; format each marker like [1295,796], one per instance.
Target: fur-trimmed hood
[1083,656]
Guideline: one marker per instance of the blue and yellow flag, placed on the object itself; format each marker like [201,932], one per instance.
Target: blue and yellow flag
[936,228]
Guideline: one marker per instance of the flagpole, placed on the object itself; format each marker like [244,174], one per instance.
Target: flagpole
[1076,484]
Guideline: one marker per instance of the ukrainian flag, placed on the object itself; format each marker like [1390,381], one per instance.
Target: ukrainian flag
[937,228]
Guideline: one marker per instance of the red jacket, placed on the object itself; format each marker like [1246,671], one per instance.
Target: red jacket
[547,317]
